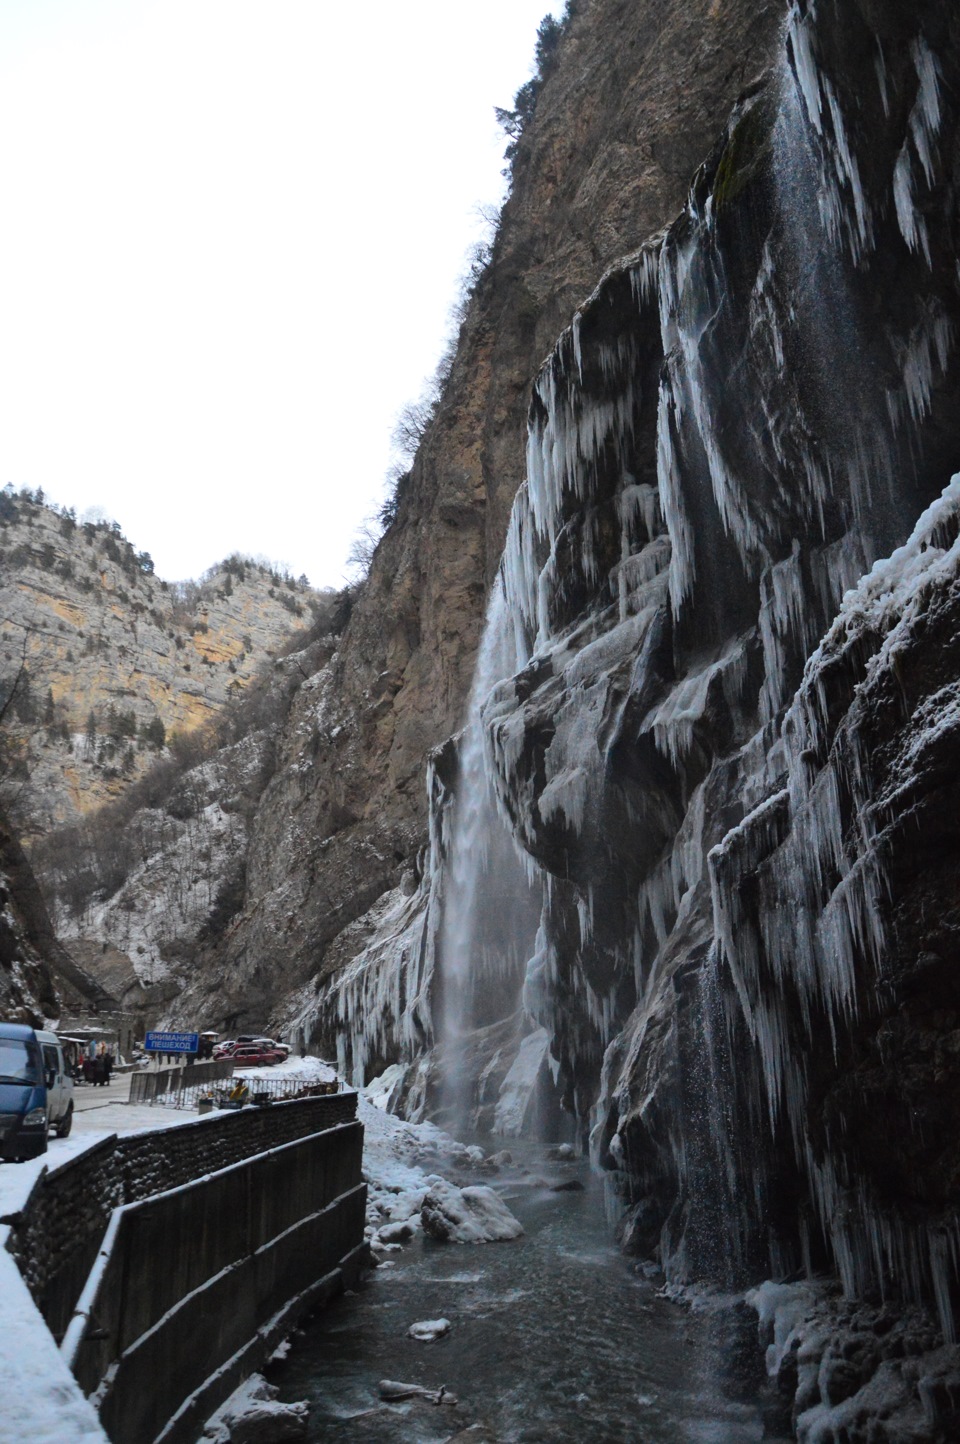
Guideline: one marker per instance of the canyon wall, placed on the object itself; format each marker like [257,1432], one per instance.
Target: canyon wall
[635,101]
[691,857]
[38,975]
[630,781]
[718,698]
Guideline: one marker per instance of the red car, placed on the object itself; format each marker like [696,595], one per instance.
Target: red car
[228,1048]
[249,1055]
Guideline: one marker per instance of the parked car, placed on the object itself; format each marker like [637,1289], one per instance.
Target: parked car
[36,1091]
[249,1055]
[228,1048]
[281,1048]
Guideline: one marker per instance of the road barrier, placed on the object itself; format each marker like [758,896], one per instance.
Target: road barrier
[195,1286]
[148,1087]
[57,1235]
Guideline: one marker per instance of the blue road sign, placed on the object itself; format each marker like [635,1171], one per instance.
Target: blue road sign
[172,1042]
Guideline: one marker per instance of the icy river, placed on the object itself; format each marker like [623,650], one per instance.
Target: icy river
[554,1336]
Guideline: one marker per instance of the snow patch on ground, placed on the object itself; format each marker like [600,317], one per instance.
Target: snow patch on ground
[396,1156]
[293,1070]
[42,1401]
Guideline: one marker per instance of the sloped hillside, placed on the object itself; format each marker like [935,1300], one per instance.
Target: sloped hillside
[104,662]
[145,889]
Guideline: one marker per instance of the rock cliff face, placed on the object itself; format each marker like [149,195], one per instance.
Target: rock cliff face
[688,871]
[107,659]
[635,102]
[742,832]
[37,973]
[715,707]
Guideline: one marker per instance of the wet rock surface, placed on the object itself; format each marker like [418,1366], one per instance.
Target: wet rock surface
[635,100]
[724,740]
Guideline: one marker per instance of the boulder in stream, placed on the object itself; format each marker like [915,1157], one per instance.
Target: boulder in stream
[393,1392]
[429,1329]
[254,1415]
[467,1215]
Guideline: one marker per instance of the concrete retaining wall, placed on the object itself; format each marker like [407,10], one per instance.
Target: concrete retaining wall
[197,1284]
[56,1236]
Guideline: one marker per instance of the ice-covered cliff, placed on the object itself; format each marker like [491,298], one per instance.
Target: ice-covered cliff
[717,733]
[634,101]
[685,874]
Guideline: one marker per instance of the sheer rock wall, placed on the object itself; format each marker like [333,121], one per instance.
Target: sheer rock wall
[730,577]
[747,838]
[37,973]
[635,102]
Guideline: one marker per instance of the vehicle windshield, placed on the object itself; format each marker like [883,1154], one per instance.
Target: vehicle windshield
[19,1062]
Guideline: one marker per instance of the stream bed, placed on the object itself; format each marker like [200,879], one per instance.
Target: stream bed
[555,1336]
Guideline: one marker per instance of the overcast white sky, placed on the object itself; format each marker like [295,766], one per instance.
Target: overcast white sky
[230,240]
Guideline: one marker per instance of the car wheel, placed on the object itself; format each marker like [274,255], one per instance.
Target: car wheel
[66,1123]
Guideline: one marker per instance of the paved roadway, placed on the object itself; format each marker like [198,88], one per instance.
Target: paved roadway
[91,1095]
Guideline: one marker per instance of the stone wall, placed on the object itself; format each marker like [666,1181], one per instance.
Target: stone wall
[56,1236]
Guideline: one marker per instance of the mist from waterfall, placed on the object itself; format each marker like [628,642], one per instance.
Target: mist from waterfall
[491,900]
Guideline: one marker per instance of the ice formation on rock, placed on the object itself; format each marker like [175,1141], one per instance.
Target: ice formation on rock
[713,738]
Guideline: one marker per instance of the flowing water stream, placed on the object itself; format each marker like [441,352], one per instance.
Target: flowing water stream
[555,1336]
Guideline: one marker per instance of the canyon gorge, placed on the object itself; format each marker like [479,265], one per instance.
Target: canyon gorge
[620,798]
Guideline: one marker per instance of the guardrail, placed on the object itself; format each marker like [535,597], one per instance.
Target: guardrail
[271,1090]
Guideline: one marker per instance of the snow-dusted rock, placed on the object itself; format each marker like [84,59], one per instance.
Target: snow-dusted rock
[253,1415]
[394,1232]
[429,1329]
[467,1215]
[396,1393]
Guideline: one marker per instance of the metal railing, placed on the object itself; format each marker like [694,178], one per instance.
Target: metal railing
[258,1090]
[167,1085]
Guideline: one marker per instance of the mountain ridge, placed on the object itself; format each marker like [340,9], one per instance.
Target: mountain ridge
[107,661]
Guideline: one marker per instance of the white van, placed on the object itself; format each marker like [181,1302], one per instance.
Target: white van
[59,1084]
